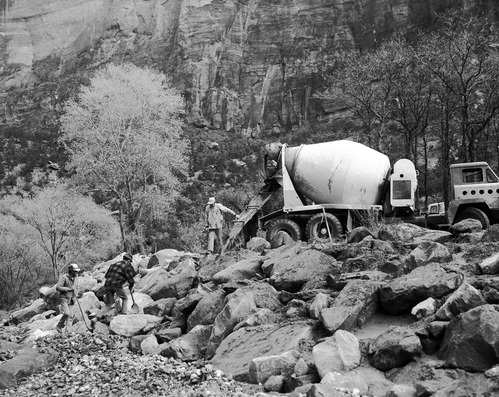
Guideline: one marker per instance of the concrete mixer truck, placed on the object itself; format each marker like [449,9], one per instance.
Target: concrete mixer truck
[328,188]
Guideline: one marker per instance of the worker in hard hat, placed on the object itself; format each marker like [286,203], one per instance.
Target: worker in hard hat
[67,295]
[116,276]
[214,222]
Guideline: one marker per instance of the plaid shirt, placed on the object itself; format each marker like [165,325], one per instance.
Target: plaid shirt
[118,273]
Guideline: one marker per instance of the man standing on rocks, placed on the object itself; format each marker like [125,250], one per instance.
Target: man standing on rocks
[214,222]
[66,288]
[118,274]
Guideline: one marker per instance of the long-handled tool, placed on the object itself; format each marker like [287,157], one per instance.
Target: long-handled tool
[135,308]
[83,316]
[78,303]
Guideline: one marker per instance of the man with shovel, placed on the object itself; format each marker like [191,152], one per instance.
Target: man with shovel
[66,288]
[117,275]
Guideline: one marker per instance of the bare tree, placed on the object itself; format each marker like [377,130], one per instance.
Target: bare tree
[68,226]
[21,262]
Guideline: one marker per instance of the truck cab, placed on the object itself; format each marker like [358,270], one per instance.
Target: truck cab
[436,216]
[474,194]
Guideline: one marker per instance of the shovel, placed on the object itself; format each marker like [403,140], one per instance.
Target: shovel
[135,308]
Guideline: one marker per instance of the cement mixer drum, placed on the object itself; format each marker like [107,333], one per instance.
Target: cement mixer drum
[338,172]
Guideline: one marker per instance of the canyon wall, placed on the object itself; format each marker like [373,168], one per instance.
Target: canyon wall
[251,66]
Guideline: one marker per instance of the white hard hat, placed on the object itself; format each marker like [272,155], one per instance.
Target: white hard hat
[211,200]
[74,267]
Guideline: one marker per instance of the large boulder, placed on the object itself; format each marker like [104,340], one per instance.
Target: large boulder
[466,297]
[368,382]
[238,306]
[407,233]
[338,353]
[261,317]
[466,226]
[161,307]
[321,301]
[187,304]
[207,309]
[424,308]
[471,340]
[244,269]
[163,258]
[149,346]
[160,283]
[425,253]
[258,244]
[264,295]
[281,239]
[490,265]
[167,332]
[50,297]
[394,348]
[87,303]
[141,300]
[291,272]
[208,267]
[358,234]
[134,324]
[362,263]
[24,364]
[460,383]
[278,254]
[262,368]
[402,294]
[48,324]
[191,346]
[353,307]
[85,283]
[236,351]
[38,306]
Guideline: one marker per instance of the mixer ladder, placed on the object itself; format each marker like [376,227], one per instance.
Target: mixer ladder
[249,211]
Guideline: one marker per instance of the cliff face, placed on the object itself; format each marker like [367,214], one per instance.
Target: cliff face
[243,65]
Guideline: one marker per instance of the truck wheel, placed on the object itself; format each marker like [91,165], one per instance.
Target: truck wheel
[317,228]
[285,225]
[474,213]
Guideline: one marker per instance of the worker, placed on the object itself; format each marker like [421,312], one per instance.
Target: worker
[214,222]
[116,276]
[66,288]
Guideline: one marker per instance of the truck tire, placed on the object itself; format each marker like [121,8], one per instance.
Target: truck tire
[283,225]
[474,213]
[317,228]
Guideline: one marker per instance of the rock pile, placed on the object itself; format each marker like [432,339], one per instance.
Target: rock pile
[405,311]
[105,367]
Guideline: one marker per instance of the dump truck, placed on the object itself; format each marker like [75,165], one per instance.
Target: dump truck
[328,188]
[474,194]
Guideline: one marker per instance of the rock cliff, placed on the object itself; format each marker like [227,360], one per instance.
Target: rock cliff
[248,65]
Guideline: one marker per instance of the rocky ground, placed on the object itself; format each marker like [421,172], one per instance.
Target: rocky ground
[91,365]
[387,316]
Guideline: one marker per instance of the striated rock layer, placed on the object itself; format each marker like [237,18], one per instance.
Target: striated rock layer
[243,65]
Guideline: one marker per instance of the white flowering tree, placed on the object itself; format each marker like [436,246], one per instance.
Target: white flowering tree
[123,133]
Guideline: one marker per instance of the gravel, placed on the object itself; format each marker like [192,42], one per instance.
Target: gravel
[91,365]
